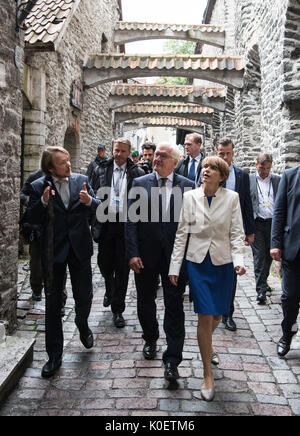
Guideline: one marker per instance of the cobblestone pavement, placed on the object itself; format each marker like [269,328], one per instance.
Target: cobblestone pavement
[113,379]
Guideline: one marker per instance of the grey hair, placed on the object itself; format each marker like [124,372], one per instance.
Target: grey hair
[175,153]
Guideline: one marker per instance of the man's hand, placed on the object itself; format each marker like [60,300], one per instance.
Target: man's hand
[249,239]
[84,197]
[240,270]
[173,280]
[276,254]
[136,264]
[46,194]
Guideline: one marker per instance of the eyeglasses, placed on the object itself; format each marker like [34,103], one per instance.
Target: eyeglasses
[162,156]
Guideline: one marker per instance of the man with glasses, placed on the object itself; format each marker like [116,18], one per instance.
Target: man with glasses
[149,243]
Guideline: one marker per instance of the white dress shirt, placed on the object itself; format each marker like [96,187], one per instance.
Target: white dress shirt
[265,196]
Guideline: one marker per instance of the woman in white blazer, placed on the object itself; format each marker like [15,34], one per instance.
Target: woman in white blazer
[211,217]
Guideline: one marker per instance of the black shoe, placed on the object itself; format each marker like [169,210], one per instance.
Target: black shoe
[50,368]
[229,324]
[283,346]
[87,339]
[269,290]
[149,350]
[261,297]
[36,296]
[119,321]
[106,300]
[171,372]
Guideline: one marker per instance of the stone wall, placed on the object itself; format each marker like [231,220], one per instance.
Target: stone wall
[265,116]
[10,141]
[60,123]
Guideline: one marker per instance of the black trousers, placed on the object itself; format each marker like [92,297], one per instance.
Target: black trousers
[261,253]
[113,264]
[146,285]
[36,270]
[290,297]
[35,266]
[81,280]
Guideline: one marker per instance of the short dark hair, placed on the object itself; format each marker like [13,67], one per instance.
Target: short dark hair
[263,158]
[148,145]
[225,142]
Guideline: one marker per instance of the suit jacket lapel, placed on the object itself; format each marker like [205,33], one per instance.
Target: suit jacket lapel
[237,179]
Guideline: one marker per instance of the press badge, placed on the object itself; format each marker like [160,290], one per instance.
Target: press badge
[267,204]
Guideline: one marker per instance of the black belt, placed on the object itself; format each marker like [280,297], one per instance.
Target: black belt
[263,220]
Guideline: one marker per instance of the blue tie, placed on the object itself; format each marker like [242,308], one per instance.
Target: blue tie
[191,174]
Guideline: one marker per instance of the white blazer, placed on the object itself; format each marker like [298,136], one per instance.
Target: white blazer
[217,229]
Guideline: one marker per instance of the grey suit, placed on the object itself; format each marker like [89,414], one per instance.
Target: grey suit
[261,245]
[285,236]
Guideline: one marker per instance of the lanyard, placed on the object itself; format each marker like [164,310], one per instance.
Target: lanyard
[264,202]
[120,181]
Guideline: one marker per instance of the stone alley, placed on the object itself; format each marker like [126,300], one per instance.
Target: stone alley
[113,379]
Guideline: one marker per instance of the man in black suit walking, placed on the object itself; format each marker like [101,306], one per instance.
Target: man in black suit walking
[285,246]
[149,243]
[190,167]
[238,181]
[71,202]
[114,178]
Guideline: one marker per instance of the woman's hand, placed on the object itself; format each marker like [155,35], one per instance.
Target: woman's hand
[240,270]
[173,280]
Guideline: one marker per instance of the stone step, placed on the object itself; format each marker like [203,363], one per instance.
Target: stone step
[16,354]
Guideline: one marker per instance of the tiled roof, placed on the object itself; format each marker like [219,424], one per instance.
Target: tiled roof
[185,62]
[167,90]
[166,121]
[199,113]
[165,108]
[103,68]
[47,21]
[124,25]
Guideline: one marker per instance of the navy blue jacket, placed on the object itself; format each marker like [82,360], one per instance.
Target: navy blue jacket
[286,218]
[242,187]
[71,226]
[147,239]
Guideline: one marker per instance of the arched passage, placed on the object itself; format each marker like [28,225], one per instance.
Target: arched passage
[249,108]
[72,145]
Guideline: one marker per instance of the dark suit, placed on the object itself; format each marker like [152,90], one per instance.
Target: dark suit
[183,168]
[153,243]
[72,246]
[285,236]
[242,187]
[111,250]
[261,245]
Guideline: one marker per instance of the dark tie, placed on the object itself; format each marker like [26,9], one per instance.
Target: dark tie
[162,197]
[191,174]
[118,172]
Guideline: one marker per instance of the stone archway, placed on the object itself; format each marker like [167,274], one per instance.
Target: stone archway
[247,107]
[290,151]
[72,145]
